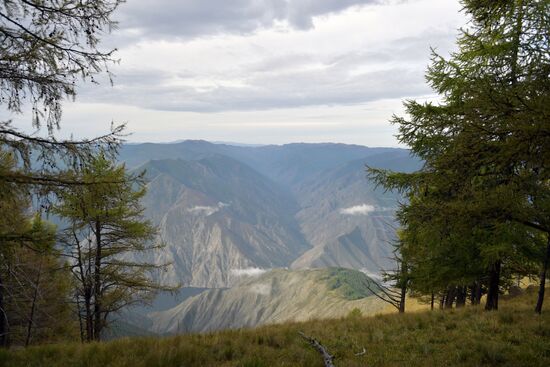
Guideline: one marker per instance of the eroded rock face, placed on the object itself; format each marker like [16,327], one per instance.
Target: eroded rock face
[216,217]
[224,209]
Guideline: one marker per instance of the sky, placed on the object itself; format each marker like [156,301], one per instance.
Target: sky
[264,71]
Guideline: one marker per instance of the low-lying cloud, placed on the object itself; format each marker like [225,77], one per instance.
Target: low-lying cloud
[206,210]
[375,276]
[363,209]
[252,271]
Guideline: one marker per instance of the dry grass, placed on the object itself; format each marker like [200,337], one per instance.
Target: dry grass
[513,336]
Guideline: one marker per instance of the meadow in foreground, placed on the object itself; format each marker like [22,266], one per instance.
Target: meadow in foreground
[512,336]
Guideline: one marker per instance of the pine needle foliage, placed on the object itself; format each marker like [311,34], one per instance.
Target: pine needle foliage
[479,210]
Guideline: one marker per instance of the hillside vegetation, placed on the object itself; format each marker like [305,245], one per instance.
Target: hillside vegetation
[276,296]
[512,336]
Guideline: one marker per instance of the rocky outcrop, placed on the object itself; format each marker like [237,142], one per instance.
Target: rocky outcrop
[217,217]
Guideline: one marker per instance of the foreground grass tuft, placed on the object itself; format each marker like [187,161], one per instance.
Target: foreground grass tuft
[513,336]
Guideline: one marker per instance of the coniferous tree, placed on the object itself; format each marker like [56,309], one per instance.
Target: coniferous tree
[479,206]
[105,238]
[33,288]
[394,285]
[45,48]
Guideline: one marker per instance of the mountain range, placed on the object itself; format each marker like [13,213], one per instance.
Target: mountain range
[227,212]
[225,209]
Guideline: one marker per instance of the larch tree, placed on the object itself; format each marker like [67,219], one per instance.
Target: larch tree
[482,195]
[394,285]
[33,291]
[46,48]
[105,239]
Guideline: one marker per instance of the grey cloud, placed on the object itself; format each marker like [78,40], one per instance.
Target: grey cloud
[393,70]
[282,81]
[281,62]
[409,49]
[264,92]
[141,78]
[191,18]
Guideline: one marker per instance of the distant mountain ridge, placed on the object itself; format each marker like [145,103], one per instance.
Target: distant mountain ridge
[222,208]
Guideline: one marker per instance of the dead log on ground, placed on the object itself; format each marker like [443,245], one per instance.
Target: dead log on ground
[327,357]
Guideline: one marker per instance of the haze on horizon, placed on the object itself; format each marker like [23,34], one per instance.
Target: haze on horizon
[263,72]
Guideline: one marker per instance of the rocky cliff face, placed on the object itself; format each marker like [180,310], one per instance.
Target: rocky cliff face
[223,210]
[272,297]
[346,219]
[217,218]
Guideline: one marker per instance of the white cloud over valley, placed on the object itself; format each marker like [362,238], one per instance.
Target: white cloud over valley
[252,271]
[206,210]
[363,209]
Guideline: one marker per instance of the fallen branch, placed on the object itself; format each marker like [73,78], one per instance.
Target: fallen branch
[327,357]
[364,351]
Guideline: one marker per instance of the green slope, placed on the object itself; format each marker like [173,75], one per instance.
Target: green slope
[513,336]
[276,296]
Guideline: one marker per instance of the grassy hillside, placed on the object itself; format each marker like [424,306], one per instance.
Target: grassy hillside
[513,336]
[274,297]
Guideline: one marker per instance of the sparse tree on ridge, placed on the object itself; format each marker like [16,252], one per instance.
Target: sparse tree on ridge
[393,287]
[46,48]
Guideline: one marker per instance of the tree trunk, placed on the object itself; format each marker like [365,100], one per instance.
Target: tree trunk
[479,292]
[432,301]
[543,273]
[461,297]
[402,298]
[492,292]
[472,293]
[97,284]
[86,289]
[33,304]
[3,317]
[475,293]
[79,313]
[89,316]
[450,297]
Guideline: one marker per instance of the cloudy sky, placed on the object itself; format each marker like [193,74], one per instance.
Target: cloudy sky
[265,71]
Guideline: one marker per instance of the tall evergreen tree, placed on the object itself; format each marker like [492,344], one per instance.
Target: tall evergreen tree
[105,236]
[45,48]
[481,197]
[33,290]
